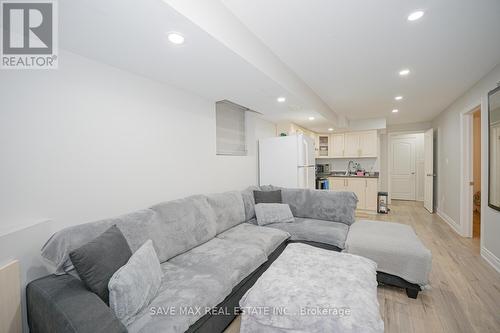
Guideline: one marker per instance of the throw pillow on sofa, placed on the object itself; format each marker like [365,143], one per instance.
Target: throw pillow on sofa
[268,213]
[134,285]
[267,196]
[99,259]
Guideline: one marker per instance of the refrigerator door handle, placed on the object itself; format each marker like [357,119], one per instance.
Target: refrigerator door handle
[306,151]
[307,179]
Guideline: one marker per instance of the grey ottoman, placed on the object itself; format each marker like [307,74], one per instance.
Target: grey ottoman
[401,258]
[308,289]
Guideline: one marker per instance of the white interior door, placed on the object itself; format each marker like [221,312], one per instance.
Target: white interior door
[429,170]
[402,176]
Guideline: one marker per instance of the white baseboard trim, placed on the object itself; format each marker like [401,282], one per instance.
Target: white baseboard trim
[454,225]
[492,259]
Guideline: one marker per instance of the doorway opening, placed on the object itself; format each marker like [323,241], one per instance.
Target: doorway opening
[476,173]
[410,161]
[471,173]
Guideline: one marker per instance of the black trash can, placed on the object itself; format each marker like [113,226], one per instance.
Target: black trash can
[382,199]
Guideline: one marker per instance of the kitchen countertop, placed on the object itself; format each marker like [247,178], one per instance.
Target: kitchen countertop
[325,175]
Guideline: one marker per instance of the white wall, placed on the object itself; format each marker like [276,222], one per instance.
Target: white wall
[89,141]
[447,125]
[340,164]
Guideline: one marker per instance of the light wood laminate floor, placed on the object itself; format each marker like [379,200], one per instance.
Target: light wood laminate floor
[465,289]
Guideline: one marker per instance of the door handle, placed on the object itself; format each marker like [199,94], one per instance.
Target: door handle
[413,173]
[430,175]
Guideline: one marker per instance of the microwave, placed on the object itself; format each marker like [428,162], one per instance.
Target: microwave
[322,168]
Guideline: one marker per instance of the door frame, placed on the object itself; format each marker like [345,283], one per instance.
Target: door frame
[426,174]
[390,137]
[466,170]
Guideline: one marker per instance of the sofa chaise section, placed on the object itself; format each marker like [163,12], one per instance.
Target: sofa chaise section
[402,259]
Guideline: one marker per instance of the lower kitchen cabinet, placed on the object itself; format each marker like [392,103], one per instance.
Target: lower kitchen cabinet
[365,189]
[371,194]
[337,183]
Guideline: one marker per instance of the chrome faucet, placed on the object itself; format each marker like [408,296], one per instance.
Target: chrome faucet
[348,171]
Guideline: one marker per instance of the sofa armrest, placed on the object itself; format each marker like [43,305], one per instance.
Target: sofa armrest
[63,304]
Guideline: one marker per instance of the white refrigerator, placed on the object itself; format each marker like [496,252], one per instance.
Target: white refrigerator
[287,161]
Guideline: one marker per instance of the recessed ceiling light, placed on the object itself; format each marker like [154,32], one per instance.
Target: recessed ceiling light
[281,99]
[330,129]
[415,15]
[404,72]
[175,38]
[395,111]
[398,98]
[311,118]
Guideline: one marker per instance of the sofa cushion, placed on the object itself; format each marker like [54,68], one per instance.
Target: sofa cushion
[230,261]
[267,239]
[99,259]
[312,230]
[249,202]
[268,213]
[321,204]
[267,196]
[228,208]
[137,227]
[269,188]
[135,284]
[182,289]
[186,223]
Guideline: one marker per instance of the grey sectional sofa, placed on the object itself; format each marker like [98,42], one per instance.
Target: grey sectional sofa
[211,252]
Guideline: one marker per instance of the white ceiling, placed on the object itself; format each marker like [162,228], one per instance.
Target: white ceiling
[131,35]
[350,52]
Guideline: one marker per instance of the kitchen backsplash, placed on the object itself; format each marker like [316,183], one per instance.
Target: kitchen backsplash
[340,164]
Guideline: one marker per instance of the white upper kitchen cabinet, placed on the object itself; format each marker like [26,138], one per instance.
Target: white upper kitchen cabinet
[347,145]
[337,145]
[351,144]
[322,145]
[368,144]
